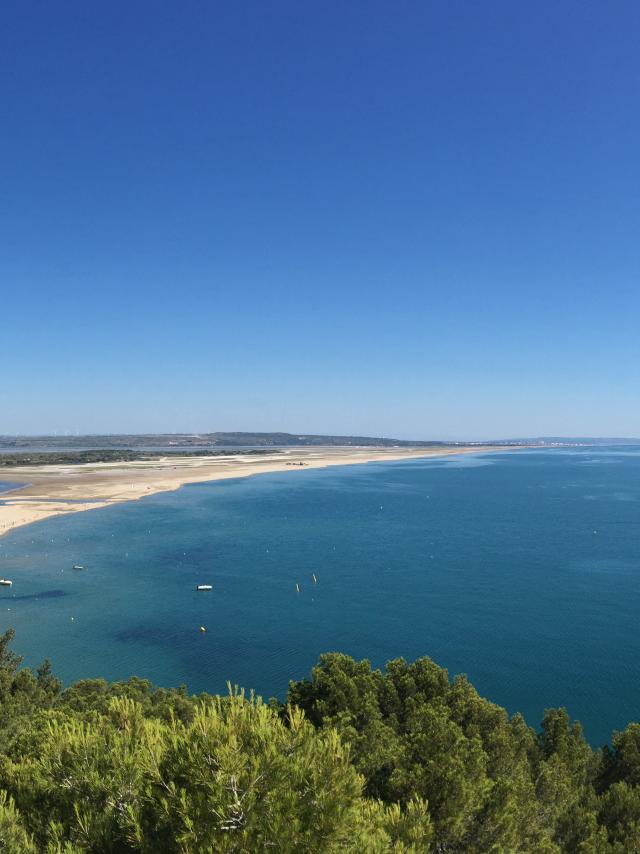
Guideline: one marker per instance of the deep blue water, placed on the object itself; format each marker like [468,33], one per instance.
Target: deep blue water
[521,569]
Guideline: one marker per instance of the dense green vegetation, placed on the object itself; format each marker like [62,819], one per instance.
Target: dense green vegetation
[106,455]
[358,760]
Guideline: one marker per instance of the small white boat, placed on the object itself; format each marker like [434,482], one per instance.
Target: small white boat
[5,582]
[78,566]
[204,587]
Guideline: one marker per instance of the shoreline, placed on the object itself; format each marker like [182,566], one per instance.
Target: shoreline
[55,490]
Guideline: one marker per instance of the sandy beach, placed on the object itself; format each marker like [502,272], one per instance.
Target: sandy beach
[56,489]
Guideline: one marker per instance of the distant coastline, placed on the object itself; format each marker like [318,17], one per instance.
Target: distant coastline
[56,489]
[220,442]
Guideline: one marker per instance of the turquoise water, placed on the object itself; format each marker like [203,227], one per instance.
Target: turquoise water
[521,569]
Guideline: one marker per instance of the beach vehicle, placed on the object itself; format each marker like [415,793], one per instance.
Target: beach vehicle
[5,582]
[204,587]
[78,566]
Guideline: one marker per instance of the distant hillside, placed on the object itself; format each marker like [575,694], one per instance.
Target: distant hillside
[221,439]
[204,440]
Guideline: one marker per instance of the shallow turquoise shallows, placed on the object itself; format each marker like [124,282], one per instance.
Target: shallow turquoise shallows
[521,569]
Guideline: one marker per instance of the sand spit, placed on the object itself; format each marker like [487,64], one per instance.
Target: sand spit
[57,489]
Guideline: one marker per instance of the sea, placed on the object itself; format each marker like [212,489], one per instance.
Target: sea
[520,569]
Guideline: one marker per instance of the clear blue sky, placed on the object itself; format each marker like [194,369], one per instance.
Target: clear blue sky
[415,219]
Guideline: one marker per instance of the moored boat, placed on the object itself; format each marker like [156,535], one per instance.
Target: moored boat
[204,587]
[5,582]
